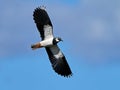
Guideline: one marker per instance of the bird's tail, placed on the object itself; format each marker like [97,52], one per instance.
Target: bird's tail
[35,46]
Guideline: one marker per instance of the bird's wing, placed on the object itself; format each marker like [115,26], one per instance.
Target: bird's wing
[43,23]
[58,61]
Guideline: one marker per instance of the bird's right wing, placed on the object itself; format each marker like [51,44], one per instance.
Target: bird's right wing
[43,23]
[58,61]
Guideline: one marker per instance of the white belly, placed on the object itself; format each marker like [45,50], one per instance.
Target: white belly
[47,42]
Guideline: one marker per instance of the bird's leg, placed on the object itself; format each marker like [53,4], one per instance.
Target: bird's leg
[35,46]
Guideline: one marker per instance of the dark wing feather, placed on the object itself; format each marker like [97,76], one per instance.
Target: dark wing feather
[41,18]
[60,64]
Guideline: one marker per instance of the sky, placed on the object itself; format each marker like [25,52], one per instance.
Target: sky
[91,43]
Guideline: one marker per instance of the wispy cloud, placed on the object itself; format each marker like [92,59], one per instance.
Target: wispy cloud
[92,27]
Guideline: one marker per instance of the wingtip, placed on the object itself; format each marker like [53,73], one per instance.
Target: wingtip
[67,76]
[41,7]
[62,69]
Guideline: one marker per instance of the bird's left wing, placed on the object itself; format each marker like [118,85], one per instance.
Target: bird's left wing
[58,61]
[43,23]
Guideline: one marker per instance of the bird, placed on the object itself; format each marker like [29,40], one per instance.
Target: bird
[49,42]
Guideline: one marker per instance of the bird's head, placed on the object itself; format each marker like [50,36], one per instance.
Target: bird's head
[56,40]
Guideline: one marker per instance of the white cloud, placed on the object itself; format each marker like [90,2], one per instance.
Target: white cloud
[92,26]
[94,29]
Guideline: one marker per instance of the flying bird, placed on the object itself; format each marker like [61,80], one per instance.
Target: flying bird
[49,42]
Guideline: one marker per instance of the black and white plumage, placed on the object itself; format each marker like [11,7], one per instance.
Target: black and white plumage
[55,55]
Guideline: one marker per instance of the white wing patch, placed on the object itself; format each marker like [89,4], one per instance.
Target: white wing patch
[59,55]
[48,32]
[56,51]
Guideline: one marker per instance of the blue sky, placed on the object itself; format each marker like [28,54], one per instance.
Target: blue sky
[91,33]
